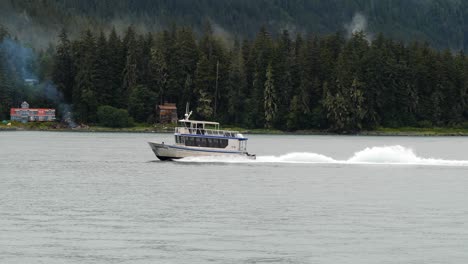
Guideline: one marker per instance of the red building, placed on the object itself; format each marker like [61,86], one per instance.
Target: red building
[26,114]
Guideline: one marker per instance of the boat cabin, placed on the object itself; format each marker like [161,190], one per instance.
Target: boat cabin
[206,134]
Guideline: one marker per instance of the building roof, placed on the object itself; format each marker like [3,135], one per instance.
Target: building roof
[168,107]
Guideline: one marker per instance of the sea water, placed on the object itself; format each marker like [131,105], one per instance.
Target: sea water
[105,198]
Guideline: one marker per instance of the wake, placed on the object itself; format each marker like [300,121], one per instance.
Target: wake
[388,155]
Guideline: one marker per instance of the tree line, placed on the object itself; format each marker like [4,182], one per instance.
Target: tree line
[441,22]
[285,82]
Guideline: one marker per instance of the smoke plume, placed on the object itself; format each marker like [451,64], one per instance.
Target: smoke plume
[22,64]
[18,59]
[358,24]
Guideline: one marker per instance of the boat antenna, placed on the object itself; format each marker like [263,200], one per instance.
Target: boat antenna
[187,113]
[216,89]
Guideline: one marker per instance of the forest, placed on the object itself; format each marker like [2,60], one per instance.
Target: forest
[442,23]
[283,81]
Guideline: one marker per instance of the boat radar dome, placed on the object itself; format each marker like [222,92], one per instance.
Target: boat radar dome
[187,115]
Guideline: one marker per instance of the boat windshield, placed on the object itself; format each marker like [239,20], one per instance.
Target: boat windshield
[200,124]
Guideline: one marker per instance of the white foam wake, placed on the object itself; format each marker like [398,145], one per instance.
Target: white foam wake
[398,155]
[393,155]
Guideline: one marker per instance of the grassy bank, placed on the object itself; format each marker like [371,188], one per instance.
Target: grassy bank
[53,126]
[159,128]
[138,128]
[417,131]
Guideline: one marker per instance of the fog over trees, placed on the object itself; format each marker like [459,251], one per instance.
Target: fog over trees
[442,23]
[233,67]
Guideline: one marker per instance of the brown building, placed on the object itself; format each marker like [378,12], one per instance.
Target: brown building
[167,113]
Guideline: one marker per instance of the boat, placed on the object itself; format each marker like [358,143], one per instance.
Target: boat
[202,138]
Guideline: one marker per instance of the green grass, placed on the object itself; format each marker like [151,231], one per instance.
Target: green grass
[253,130]
[30,125]
[55,126]
[169,128]
[422,131]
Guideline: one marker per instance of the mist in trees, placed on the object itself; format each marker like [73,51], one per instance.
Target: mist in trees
[440,22]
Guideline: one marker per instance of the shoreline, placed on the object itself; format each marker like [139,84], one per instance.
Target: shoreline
[408,132]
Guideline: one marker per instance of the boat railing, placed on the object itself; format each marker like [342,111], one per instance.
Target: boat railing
[208,132]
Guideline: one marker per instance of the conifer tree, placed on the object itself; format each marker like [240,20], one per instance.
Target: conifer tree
[261,56]
[6,90]
[63,73]
[173,84]
[142,104]
[84,90]
[236,88]
[159,74]
[270,99]
[130,77]
[187,56]
[116,63]
[103,75]
[204,80]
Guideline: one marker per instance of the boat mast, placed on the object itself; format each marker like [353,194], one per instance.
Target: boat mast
[187,114]
[216,88]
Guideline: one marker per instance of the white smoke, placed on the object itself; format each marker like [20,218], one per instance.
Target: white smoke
[358,24]
[23,61]
[222,34]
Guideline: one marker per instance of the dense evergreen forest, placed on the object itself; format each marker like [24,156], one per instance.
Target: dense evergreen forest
[289,82]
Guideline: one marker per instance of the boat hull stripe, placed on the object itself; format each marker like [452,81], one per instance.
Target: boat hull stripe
[202,150]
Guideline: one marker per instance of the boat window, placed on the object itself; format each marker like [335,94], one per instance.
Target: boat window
[242,145]
[223,143]
[204,142]
[190,141]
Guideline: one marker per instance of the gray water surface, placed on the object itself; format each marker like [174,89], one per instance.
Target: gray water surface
[104,198]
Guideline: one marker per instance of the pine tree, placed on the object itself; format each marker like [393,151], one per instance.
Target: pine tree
[204,80]
[142,104]
[283,66]
[130,77]
[6,90]
[159,74]
[261,56]
[63,73]
[270,99]
[144,45]
[173,86]
[116,63]
[103,83]
[84,91]
[236,88]
[186,56]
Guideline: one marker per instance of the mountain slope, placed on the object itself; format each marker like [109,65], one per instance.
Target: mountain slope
[441,22]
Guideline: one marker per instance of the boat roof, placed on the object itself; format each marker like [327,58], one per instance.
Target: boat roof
[198,122]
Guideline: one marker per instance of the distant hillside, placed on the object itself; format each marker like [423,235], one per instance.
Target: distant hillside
[440,22]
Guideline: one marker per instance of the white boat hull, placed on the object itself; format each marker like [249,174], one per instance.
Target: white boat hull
[170,152]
